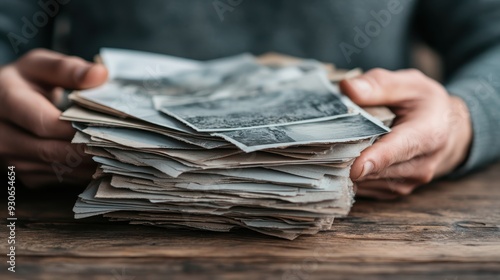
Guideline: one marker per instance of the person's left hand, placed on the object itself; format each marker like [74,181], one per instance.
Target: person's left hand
[431,135]
[32,138]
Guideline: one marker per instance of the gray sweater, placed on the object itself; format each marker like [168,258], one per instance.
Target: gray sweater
[354,33]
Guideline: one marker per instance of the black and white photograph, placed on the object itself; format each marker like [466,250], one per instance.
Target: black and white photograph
[202,81]
[346,129]
[306,99]
[243,81]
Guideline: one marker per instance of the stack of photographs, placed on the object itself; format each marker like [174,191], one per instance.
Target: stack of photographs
[264,143]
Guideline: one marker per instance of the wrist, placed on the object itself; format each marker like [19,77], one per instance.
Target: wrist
[460,136]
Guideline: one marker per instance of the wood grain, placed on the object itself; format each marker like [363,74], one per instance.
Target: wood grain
[446,230]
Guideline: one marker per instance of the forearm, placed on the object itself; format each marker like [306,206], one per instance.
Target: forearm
[468,42]
[478,84]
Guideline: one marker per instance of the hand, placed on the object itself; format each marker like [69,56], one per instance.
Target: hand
[33,139]
[431,135]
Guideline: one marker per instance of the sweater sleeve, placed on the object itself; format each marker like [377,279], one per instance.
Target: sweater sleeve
[466,34]
[24,25]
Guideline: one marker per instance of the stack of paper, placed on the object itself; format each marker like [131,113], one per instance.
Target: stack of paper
[234,142]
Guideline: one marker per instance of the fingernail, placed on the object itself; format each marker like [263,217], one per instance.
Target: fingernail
[80,73]
[367,169]
[361,86]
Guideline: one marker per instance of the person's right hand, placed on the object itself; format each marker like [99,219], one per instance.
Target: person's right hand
[32,138]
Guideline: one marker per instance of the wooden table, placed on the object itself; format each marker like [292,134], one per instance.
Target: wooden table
[447,230]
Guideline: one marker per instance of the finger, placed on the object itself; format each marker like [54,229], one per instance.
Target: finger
[18,143]
[56,69]
[401,144]
[419,169]
[56,96]
[382,87]
[27,166]
[50,180]
[376,193]
[33,174]
[35,113]
[388,186]
[380,195]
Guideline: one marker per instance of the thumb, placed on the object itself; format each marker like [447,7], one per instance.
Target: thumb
[56,69]
[379,87]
